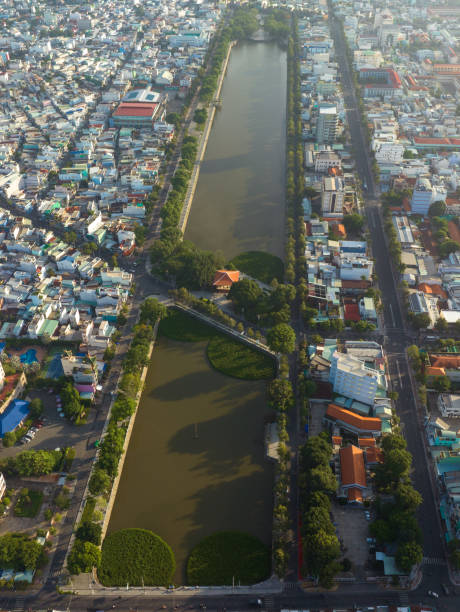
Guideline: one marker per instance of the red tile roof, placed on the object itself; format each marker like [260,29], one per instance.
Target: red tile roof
[449,362]
[223,278]
[366,442]
[374,455]
[352,312]
[135,109]
[355,420]
[432,289]
[352,466]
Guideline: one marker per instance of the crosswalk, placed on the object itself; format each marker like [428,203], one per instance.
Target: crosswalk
[434,561]
[291,586]
[403,598]
[269,602]
[17,605]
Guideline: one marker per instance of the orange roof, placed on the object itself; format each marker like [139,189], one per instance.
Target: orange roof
[353,419]
[226,277]
[449,362]
[374,455]
[352,466]
[337,440]
[432,289]
[432,371]
[366,442]
[354,495]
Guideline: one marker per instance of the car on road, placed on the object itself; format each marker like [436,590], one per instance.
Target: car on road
[255,603]
[433,594]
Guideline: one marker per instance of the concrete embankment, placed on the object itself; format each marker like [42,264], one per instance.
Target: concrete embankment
[202,146]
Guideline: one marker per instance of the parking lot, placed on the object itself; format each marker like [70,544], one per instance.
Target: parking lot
[56,432]
[352,530]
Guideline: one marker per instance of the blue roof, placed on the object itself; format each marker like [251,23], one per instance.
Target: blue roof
[16,412]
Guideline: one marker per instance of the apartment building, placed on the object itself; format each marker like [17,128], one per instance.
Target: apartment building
[352,378]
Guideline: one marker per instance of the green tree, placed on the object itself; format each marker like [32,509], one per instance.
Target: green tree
[407,498]
[9,438]
[353,223]
[321,549]
[89,532]
[317,518]
[441,384]
[100,482]
[36,408]
[448,247]
[396,464]
[71,237]
[437,209]
[441,325]
[281,394]
[281,338]
[322,478]
[34,463]
[71,404]
[123,407]
[407,555]
[317,451]
[83,557]
[245,295]
[421,320]
[382,531]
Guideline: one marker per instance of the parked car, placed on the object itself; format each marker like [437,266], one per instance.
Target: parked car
[433,594]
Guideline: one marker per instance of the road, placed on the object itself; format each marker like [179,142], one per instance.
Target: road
[397,336]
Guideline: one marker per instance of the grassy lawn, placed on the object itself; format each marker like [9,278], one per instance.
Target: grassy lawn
[239,360]
[228,555]
[258,264]
[180,326]
[136,556]
[29,503]
[226,355]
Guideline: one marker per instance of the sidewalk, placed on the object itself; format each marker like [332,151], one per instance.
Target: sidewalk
[85,584]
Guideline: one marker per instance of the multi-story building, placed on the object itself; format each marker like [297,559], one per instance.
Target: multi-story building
[332,196]
[325,160]
[424,195]
[352,378]
[326,125]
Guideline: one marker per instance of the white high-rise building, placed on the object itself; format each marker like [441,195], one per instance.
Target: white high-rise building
[424,195]
[352,378]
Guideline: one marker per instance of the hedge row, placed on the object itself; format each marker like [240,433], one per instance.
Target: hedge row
[281,399]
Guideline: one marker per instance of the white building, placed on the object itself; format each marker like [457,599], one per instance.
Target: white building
[352,378]
[355,268]
[449,405]
[424,195]
[389,152]
[332,196]
[325,160]
[421,303]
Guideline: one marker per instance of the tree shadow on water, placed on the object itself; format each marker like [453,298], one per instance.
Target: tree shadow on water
[227,443]
[187,386]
